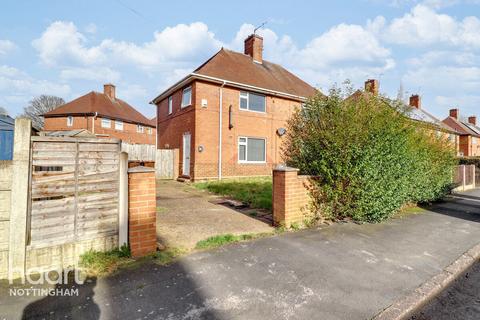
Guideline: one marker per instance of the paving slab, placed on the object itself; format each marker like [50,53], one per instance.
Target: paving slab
[342,271]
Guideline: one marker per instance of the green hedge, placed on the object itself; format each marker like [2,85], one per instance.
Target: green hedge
[370,159]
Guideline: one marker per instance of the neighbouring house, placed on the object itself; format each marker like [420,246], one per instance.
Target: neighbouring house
[228,116]
[468,131]
[104,115]
[414,112]
[7,127]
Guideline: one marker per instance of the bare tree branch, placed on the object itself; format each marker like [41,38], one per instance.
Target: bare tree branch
[39,106]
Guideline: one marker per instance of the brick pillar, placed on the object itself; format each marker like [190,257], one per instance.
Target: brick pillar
[142,235]
[290,196]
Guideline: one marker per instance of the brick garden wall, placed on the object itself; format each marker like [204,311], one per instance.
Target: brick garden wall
[291,199]
[142,211]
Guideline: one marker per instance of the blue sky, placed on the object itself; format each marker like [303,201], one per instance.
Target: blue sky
[68,48]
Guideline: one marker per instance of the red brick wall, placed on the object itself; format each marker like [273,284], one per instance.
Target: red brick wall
[202,122]
[142,235]
[128,134]
[291,198]
[171,127]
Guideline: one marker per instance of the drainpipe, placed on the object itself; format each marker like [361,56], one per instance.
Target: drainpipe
[93,122]
[220,132]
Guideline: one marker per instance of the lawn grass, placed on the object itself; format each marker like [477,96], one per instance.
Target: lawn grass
[223,239]
[256,192]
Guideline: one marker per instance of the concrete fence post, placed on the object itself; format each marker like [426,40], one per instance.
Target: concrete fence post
[123,200]
[176,163]
[20,197]
[142,217]
[464,178]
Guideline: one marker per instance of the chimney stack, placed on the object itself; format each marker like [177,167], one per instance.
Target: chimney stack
[109,90]
[472,120]
[454,113]
[254,47]
[415,101]
[372,86]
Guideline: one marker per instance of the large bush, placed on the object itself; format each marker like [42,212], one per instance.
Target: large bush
[369,160]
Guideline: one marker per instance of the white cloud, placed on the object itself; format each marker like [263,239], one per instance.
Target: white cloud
[104,74]
[91,28]
[63,43]
[423,26]
[6,46]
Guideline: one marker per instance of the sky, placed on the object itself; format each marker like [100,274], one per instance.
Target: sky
[69,48]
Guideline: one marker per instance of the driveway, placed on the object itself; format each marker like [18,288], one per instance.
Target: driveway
[343,271]
[187,215]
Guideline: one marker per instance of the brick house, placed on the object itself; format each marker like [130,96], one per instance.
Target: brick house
[104,115]
[468,131]
[244,135]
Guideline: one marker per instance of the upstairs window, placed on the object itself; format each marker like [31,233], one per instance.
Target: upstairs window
[106,123]
[252,101]
[149,130]
[118,125]
[69,121]
[170,105]
[251,150]
[140,128]
[187,97]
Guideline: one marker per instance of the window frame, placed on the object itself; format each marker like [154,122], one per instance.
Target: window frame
[140,128]
[70,121]
[170,104]
[109,123]
[120,125]
[246,161]
[183,105]
[240,97]
[149,130]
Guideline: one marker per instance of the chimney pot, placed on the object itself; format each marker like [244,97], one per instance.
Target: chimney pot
[472,120]
[372,86]
[454,113]
[416,101]
[109,90]
[254,47]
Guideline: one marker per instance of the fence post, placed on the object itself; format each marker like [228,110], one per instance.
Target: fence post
[142,205]
[20,196]
[464,178]
[123,200]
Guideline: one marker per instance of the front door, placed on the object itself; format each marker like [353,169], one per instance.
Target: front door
[186,154]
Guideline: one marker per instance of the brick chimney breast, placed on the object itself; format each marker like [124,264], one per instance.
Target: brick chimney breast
[472,120]
[109,90]
[415,101]
[254,47]
[454,113]
[372,86]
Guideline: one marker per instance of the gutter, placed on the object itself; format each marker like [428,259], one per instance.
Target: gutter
[197,76]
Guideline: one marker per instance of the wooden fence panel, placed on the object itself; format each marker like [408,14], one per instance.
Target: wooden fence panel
[164,164]
[75,185]
[139,152]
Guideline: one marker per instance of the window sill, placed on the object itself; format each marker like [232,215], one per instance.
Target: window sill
[253,162]
[261,112]
[183,107]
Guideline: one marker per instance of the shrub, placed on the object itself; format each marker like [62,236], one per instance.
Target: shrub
[367,157]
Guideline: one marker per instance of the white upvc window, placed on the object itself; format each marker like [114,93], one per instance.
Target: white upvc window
[69,121]
[186,97]
[140,128]
[252,101]
[252,150]
[106,123]
[118,125]
[170,105]
[149,130]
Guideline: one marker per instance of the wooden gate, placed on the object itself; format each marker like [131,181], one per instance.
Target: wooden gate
[165,164]
[74,189]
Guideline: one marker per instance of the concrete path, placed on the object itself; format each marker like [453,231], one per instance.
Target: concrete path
[344,271]
[186,215]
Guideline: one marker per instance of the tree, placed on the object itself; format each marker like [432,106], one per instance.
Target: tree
[39,106]
[367,158]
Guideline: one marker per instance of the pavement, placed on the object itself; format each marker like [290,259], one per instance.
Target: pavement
[342,271]
[459,301]
[187,215]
